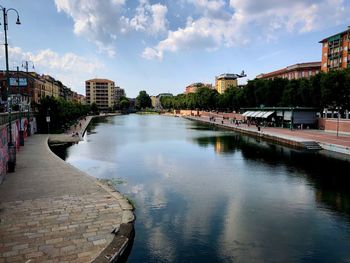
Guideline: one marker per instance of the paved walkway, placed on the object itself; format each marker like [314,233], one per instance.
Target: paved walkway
[74,134]
[52,212]
[328,141]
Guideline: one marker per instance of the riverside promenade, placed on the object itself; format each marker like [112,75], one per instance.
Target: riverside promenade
[52,212]
[297,138]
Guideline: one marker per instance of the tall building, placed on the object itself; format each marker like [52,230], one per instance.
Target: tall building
[224,81]
[296,71]
[118,93]
[101,92]
[336,51]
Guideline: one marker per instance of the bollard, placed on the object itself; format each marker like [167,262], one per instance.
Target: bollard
[11,164]
[21,138]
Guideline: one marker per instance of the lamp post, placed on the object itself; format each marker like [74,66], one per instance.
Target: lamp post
[48,120]
[21,137]
[25,65]
[338,117]
[11,148]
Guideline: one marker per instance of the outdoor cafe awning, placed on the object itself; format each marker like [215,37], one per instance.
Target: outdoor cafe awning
[246,114]
[258,114]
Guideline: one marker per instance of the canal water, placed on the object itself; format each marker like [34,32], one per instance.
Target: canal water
[209,195]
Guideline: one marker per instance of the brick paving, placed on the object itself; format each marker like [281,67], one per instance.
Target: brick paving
[52,212]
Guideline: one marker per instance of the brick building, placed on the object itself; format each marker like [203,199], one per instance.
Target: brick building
[335,51]
[29,87]
[296,71]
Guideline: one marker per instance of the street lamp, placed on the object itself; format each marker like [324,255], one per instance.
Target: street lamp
[25,65]
[338,117]
[21,136]
[48,120]
[11,148]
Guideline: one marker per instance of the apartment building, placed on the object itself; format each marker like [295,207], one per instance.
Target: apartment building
[224,81]
[296,71]
[101,92]
[335,51]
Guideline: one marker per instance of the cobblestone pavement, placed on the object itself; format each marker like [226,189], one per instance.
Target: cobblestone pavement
[52,212]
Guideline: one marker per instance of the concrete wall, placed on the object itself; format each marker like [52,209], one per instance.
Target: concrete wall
[331,125]
[5,137]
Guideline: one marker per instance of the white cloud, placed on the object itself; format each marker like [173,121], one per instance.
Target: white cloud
[238,22]
[149,18]
[98,21]
[102,22]
[204,33]
[71,69]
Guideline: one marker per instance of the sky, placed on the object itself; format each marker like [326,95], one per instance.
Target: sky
[163,46]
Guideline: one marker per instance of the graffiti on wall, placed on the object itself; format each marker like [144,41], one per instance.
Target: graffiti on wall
[3,152]
[5,138]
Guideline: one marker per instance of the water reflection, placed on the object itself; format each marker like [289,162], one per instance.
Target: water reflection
[329,176]
[215,196]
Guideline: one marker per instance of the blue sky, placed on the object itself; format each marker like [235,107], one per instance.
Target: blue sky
[163,46]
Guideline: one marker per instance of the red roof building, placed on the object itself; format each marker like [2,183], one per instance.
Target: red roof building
[297,71]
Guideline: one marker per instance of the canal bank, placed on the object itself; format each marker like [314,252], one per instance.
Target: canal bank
[51,211]
[300,139]
[210,195]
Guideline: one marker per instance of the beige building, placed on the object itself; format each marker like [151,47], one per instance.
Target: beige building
[193,87]
[101,92]
[51,86]
[224,81]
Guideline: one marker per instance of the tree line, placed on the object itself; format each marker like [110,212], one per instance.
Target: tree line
[324,90]
[62,113]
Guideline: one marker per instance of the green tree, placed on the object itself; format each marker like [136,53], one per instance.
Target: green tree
[335,88]
[207,98]
[94,108]
[124,103]
[143,100]
[62,113]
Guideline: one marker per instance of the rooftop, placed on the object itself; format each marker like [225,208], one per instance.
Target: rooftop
[100,80]
[341,33]
[292,67]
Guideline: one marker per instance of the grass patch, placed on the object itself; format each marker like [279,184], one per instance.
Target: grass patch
[131,201]
[113,182]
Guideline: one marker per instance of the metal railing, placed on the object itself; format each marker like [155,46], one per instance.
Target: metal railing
[4,116]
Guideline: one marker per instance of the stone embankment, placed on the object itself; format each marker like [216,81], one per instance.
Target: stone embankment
[52,212]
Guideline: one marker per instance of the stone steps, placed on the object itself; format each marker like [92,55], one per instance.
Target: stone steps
[312,145]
